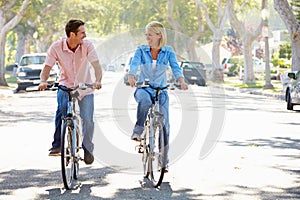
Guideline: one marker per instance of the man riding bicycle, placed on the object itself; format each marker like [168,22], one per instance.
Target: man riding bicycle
[73,55]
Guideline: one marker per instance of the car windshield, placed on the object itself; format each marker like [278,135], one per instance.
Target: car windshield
[31,60]
[195,65]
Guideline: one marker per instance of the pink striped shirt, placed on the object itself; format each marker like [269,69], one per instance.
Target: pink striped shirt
[74,66]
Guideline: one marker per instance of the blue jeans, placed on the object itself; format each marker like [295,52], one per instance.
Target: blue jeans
[86,106]
[143,97]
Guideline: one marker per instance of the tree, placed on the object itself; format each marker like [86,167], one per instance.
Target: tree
[217,30]
[10,15]
[285,11]
[249,34]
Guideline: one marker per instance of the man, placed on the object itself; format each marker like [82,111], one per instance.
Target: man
[74,55]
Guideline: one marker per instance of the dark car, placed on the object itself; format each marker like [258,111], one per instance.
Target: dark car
[194,72]
[292,90]
[29,69]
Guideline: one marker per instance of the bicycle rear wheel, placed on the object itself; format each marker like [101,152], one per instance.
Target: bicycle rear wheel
[157,159]
[67,160]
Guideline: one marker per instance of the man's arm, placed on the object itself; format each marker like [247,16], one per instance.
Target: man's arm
[98,74]
[45,73]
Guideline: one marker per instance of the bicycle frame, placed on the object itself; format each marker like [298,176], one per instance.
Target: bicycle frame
[72,116]
[153,148]
[71,137]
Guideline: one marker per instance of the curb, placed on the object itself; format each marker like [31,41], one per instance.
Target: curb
[254,91]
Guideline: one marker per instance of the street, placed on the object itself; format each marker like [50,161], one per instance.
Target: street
[223,145]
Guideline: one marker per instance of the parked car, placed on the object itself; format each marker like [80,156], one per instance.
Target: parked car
[292,90]
[111,68]
[126,70]
[194,72]
[29,69]
[227,64]
[231,66]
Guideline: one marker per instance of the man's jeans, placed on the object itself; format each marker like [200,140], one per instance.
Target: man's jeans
[143,98]
[86,106]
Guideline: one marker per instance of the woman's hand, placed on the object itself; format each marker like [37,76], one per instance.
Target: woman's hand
[183,84]
[131,80]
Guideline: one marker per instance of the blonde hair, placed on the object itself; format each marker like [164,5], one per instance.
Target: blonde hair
[158,28]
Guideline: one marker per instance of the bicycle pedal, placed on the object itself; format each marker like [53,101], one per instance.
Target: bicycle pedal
[140,148]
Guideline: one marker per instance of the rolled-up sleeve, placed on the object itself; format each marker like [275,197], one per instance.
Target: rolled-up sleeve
[177,71]
[136,62]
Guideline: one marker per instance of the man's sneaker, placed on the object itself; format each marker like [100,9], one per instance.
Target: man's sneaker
[136,137]
[55,151]
[88,157]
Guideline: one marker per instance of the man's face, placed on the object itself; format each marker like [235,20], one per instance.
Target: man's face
[80,35]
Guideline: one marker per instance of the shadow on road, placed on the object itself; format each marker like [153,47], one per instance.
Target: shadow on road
[278,148]
[96,178]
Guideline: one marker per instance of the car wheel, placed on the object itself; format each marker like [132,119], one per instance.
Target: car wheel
[201,83]
[289,101]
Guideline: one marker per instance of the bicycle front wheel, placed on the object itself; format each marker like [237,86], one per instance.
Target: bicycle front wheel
[67,160]
[158,156]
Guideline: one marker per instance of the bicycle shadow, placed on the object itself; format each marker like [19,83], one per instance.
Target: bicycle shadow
[96,177]
[147,191]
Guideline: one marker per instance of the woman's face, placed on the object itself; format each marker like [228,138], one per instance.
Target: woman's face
[152,38]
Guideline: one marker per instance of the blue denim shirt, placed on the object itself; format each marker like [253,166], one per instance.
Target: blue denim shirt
[143,59]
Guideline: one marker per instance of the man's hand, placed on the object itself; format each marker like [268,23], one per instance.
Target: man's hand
[131,80]
[97,85]
[183,84]
[43,85]
[44,75]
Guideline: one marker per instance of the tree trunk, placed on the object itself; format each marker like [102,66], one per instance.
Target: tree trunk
[217,74]
[20,46]
[6,26]
[247,38]
[248,63]
[286,13]
[2,68]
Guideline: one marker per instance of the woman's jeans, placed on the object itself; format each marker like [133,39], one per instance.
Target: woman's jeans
[143,98]
[86,106]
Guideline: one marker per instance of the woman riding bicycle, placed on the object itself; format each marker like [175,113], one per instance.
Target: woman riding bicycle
[153,60]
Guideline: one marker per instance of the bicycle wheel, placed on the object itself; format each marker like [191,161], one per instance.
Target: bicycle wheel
[157,158]
[146,150]
[77,156]
[67,160]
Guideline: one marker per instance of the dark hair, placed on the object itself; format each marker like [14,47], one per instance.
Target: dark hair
[72,26]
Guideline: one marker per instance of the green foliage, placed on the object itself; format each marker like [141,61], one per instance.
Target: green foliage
[296,8]
[285,50]
[11,43]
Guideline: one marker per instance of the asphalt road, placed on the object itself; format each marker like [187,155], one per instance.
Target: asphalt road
[224,145]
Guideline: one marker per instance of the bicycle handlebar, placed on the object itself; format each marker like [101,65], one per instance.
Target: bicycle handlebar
[146,84]
[82,86]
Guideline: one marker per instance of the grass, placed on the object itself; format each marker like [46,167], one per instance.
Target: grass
[259,84]
[11,81]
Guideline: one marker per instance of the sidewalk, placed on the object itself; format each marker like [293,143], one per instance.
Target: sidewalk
[256,91]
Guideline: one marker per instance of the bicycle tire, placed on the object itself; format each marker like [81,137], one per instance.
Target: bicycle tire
[157,160]
[67,160]
[76,161]
[146,150]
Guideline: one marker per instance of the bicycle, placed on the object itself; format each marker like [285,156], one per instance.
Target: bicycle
[153,141]
[71,136]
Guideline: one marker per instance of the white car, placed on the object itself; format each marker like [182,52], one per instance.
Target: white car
[258,65]
[29,69]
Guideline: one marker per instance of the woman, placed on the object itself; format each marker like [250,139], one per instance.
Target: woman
[153,60]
